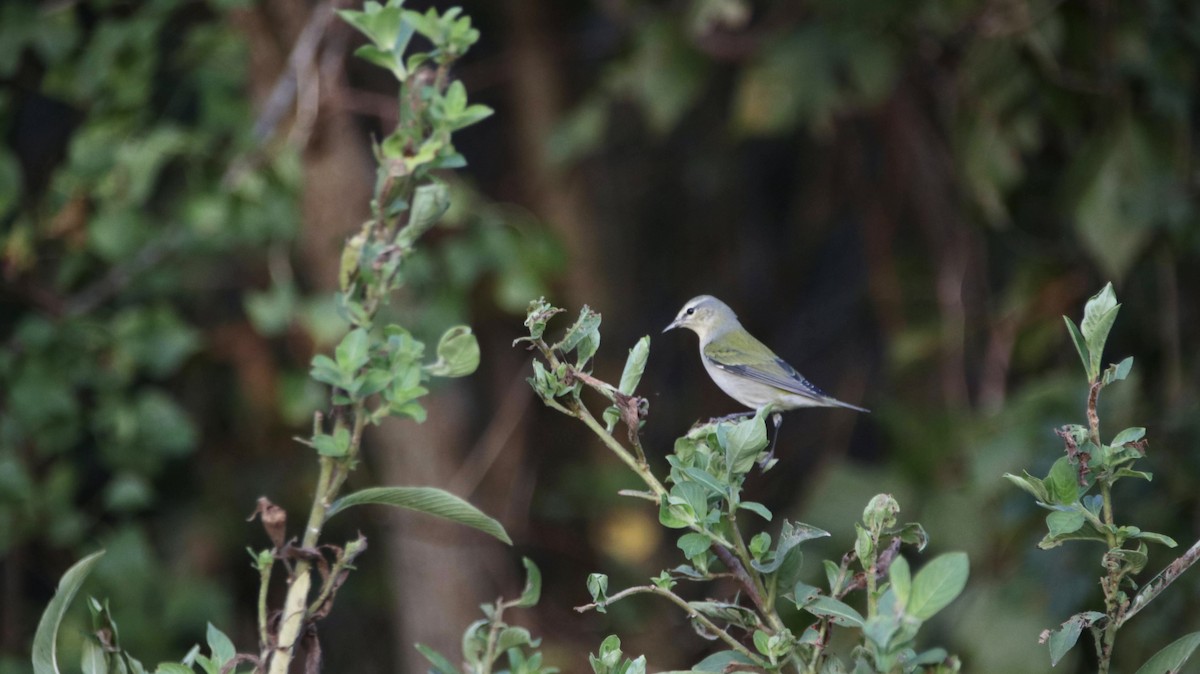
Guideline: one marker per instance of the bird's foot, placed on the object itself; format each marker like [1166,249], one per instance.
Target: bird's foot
[768,461]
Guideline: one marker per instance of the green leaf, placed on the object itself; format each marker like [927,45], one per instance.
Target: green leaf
[1063,639]
[719,661]
[533,585]
[429,500]
[458,353]
[1156,538]
[1034,486]
[756,508]
[352,353]
[597,585]
[1171,659]
[692,495]
[760,642]
[1083,534]
[937,584]
[335,445]
[803,593]
[1129,435]
[839,613]
[510,637]
[174,668]
[1080,346]
[584,334]
[742,441]
[901,578]
[441,665]
[1061,522]
[786,560]
[635,365]
[1063,482]
[92,659]
[911,533]
[1118,372]
[220,646]
[45,640]
[1099,314]
[430,201]
[693,544]
[631,376]
[1129,472]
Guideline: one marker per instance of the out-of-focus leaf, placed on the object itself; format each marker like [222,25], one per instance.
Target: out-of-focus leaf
[1171,659]
[45,640]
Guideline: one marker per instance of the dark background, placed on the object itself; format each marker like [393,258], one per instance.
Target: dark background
[901,199]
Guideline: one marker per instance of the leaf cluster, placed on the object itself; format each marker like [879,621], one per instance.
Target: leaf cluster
[703,495]
[1077,491]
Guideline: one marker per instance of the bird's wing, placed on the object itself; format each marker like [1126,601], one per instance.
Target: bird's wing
[768,369]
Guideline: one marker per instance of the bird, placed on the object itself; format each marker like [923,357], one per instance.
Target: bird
[746,369]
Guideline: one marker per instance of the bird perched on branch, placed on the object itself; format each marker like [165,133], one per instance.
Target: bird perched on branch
[745,368]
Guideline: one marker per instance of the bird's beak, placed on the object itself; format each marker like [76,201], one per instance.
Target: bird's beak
[674,324]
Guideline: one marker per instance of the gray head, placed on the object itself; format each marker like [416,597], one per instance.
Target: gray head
[706,316]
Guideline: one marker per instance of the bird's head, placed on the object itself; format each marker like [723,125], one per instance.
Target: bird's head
[706,316]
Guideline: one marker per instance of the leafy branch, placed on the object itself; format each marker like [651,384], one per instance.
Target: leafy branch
[1077,514]
[702,495]
[375,372]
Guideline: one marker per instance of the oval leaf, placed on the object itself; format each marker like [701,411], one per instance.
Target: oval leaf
[635,365]
[937,584]
[1172,658]
[429,500]
[458,353]
[45,659]
[838,612]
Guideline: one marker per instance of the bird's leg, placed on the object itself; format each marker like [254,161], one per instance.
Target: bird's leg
[776,421]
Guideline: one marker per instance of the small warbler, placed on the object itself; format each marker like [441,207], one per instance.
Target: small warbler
[744,367]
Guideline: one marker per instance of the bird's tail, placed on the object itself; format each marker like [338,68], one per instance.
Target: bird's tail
[834,402]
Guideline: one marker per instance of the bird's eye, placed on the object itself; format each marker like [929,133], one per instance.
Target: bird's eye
[691,310]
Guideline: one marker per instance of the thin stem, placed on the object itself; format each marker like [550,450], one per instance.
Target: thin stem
[1093,416]
[489,653]
[689,609]
[766,607]
[1161,581]
[743,577]
[814,665]
[1107,512]
[581,412]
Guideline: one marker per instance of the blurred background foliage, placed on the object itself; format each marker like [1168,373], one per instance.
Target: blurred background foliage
[900,198]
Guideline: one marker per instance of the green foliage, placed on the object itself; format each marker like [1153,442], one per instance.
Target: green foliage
[610,659]
[703,495]
[487,640]
[100,251]
[375,371]
[1078,514]
[423,499]
[1173,657]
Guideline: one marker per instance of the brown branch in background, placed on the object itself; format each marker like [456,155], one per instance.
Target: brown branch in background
[299,83]
[739,572]
[119,276]
[513,406]
[300,60]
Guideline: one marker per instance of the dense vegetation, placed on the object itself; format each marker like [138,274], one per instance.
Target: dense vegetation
[902,199]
